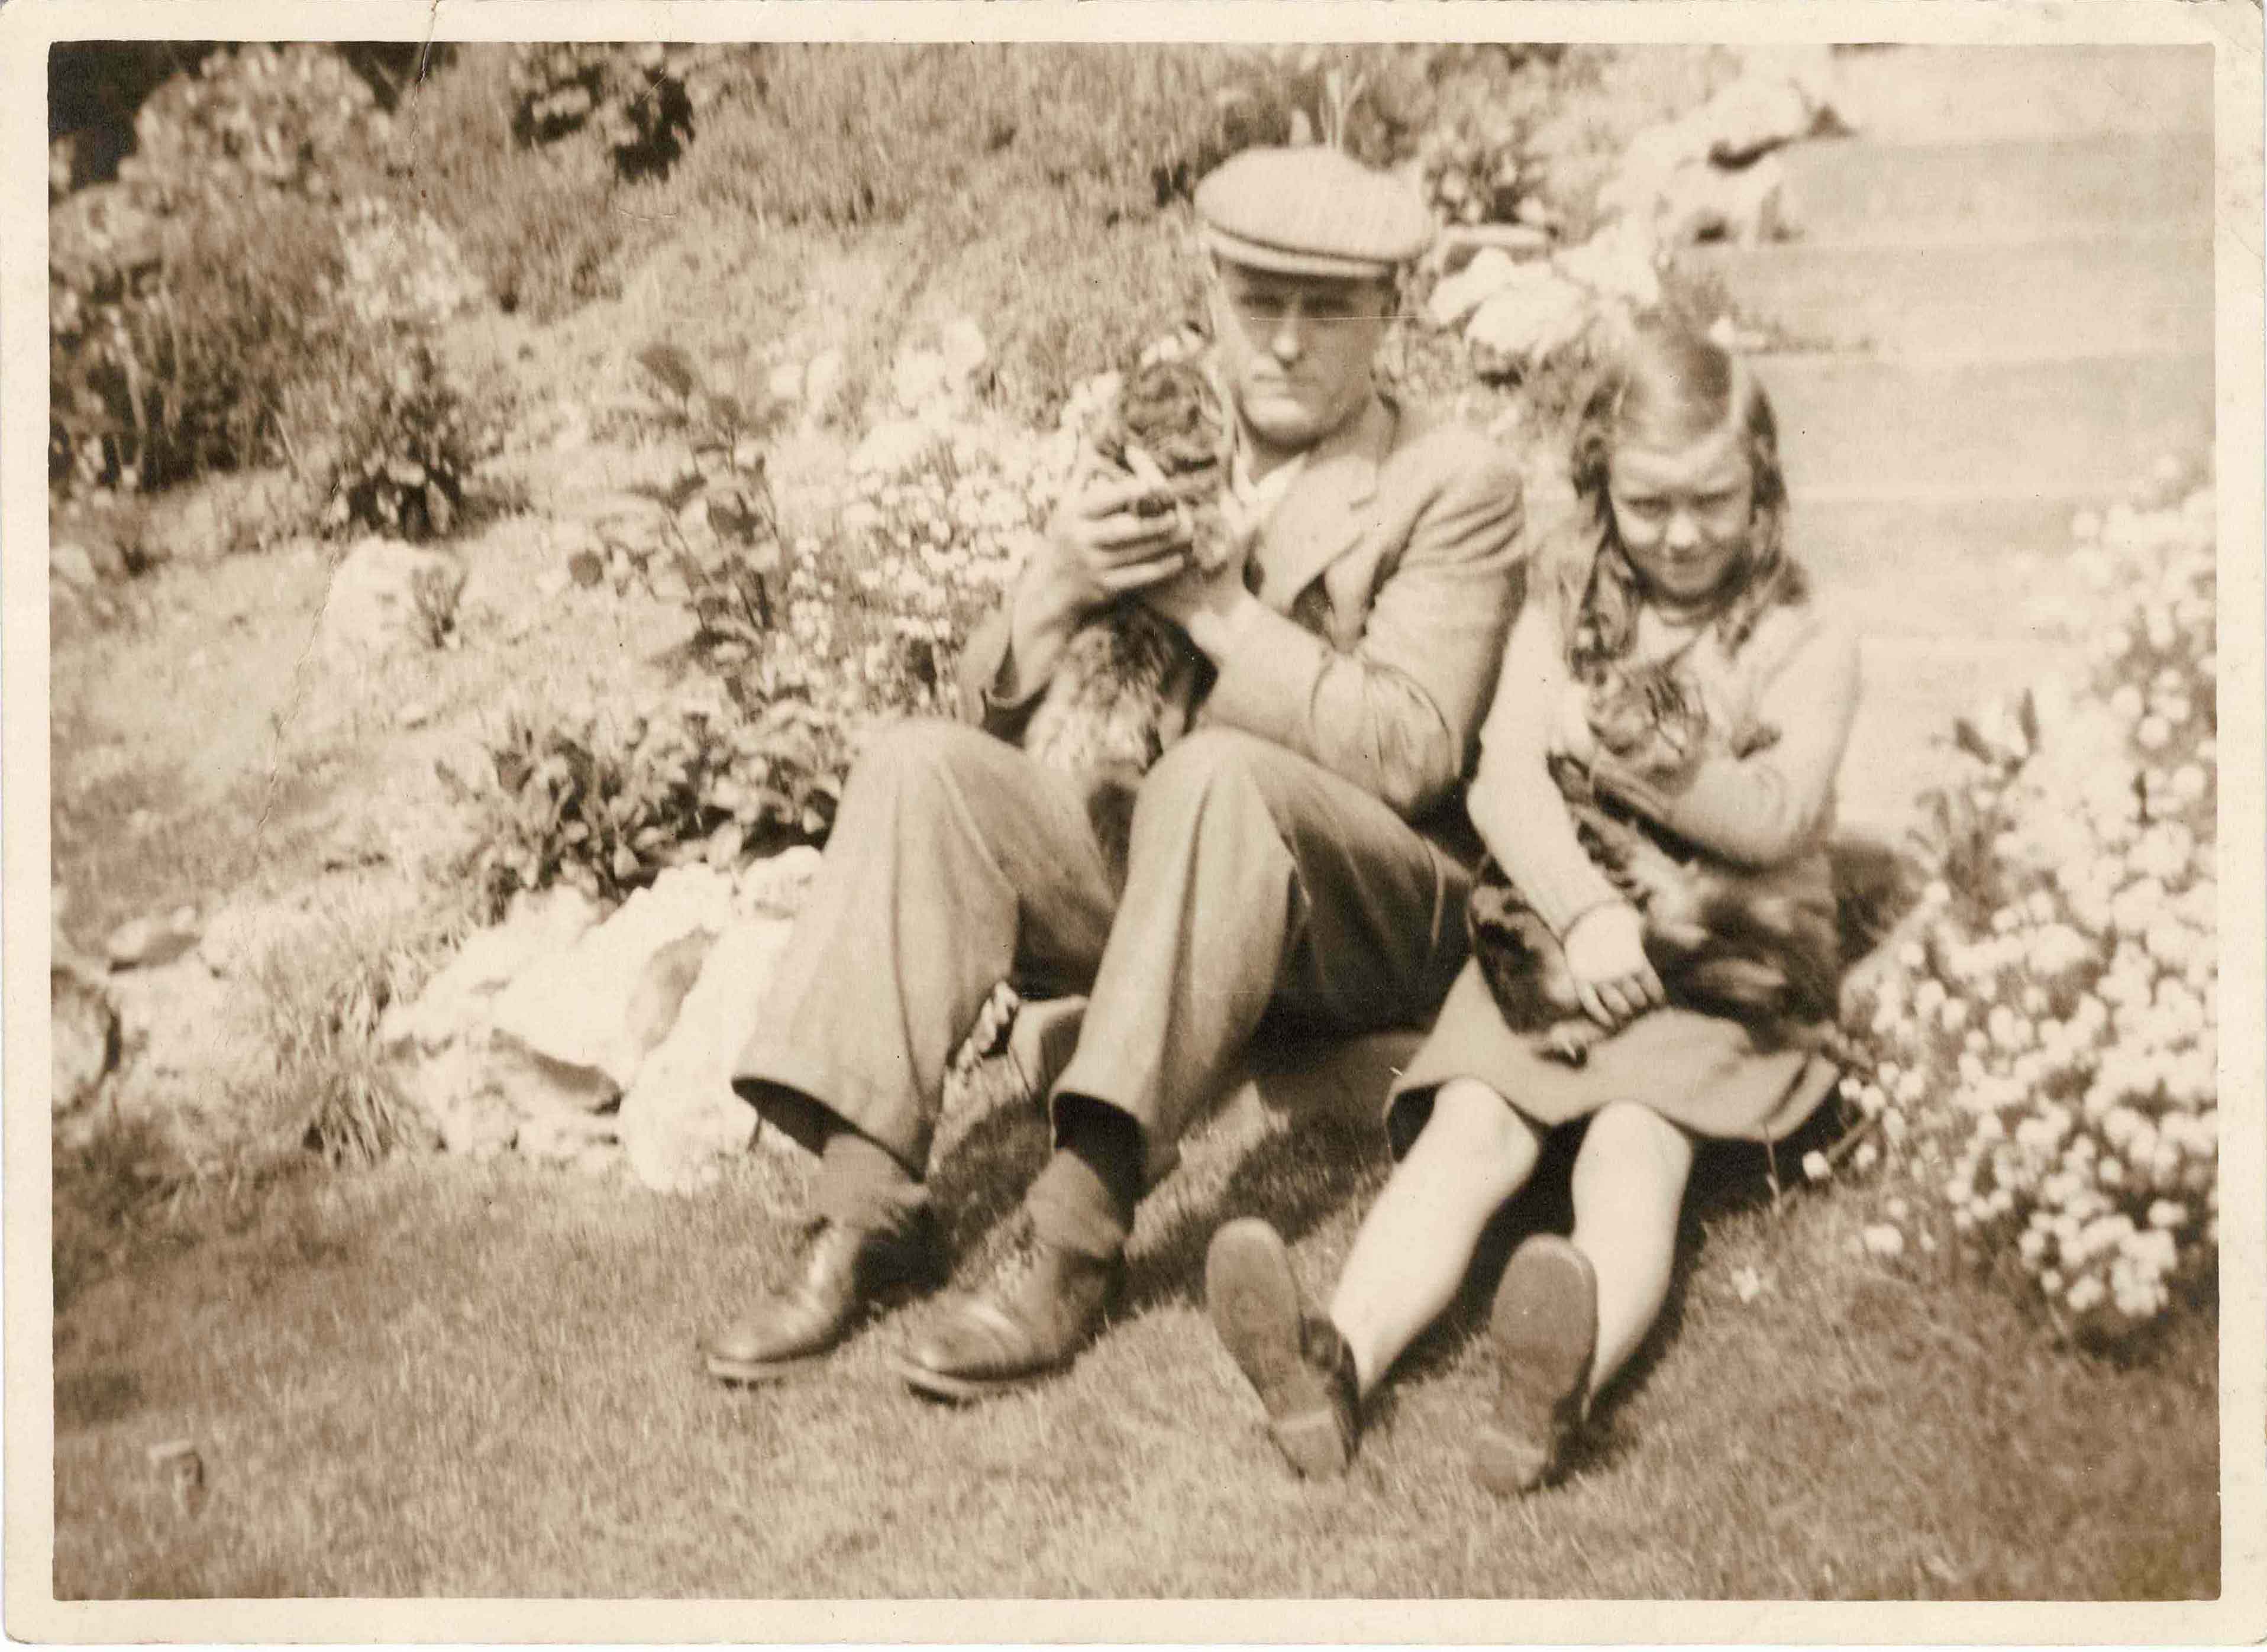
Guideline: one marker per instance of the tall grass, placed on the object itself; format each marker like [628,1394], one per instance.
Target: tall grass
[321,994]
[544,228]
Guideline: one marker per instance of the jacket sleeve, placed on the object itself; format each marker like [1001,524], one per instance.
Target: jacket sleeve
[1514,803]
[1760,809]
[988,694]
[1398,713]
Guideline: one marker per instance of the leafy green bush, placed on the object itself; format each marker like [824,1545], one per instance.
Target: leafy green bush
[253,120]
[719,525]
[605,806]
[173,343]
[640,101]
[399,440]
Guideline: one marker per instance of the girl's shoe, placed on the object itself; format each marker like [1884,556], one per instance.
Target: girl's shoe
[1296,1360]
[1545,1327]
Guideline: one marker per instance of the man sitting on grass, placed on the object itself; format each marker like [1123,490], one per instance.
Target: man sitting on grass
[1294,852]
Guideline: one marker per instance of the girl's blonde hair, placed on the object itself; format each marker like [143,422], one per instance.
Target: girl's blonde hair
[1674,384]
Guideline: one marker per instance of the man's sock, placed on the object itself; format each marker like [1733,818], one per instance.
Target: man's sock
[861,1184]
[1083,1201]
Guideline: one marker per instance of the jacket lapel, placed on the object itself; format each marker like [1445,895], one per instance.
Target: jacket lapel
[1321,518]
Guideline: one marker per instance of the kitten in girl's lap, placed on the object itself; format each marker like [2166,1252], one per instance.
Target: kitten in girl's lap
[1724,940]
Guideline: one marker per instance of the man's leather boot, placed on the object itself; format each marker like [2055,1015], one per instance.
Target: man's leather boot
[840,1274]
[1042,1306]
[1296,1360]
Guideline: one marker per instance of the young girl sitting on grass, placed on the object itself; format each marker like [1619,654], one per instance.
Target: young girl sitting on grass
[1682,580]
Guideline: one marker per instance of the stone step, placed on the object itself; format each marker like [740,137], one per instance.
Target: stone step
[2064,429]
[1923,94]
[2040,300]
[1931,565]
[1861,192]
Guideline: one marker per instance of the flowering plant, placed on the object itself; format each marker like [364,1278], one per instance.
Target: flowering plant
[2040,1052]
[800,642]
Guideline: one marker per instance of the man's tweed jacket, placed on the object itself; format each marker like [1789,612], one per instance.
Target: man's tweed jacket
[1392,569]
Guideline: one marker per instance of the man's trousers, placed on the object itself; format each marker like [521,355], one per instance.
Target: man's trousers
[1255,880]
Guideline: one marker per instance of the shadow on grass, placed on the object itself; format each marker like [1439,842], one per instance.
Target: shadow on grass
[1300,1176]
[1294,1179]
[980,1172]
[89,1398]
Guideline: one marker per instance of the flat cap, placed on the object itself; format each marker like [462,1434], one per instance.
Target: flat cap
[1310,211]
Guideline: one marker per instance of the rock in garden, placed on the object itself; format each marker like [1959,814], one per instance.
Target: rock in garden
[1528,320]
[559,1137]
[87,1037]
[1457,295]
[460,1000]
[680,1116]
[965,350]
[72,565]
[388,598]
[1756,113]
[188,527]
[893,447]
[571,1029]
[181,1022]
[920,377]
[775,886]
[1705,203]
[1460,245]
[822,382]
[438,1049]
[1648,161]
[145,943]
[1619,262]
[451,1087]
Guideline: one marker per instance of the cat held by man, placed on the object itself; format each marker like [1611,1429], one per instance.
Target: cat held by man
[1129,680]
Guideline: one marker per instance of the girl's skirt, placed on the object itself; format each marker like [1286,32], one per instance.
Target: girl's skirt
[1701,1071]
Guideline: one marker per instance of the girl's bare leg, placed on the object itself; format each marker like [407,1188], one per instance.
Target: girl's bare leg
[1410,1256]
[1629,1186]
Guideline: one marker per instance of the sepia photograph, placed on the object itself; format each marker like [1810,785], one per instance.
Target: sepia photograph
[1006,807]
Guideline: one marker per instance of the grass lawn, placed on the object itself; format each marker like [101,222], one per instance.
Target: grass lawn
[452,1380]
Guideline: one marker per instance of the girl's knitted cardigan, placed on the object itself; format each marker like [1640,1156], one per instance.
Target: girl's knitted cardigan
[1794,674]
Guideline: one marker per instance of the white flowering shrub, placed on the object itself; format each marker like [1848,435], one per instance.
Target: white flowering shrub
[2040,1053]
[927,540]
[400,268]
[803,643]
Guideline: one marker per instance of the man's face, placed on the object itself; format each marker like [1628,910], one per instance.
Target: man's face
[1297,350]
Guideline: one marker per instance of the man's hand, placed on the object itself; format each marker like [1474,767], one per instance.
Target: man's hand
[1212,607]
[1605,953]
[1100,545]
[1104,544]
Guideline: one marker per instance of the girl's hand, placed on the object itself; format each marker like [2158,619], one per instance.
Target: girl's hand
[1571,733]
[1605,953]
